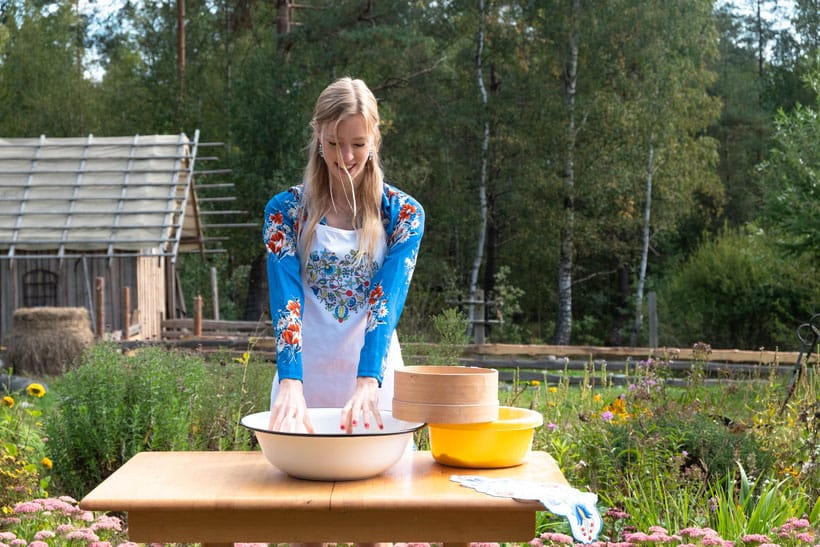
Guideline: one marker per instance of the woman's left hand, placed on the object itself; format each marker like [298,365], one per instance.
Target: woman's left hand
[363,406]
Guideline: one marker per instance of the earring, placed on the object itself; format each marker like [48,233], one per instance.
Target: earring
[321,151]
[370,156]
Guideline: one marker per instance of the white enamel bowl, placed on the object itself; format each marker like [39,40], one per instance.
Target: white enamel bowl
[330,454]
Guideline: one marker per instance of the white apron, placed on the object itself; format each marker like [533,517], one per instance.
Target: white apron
[334,318]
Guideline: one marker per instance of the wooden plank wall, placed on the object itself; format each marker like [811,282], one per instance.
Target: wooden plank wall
[76,286]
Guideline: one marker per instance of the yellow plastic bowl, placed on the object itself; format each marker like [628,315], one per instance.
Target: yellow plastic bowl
[502,443]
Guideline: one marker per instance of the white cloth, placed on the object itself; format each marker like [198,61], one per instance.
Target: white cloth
[334,321]
[579,508]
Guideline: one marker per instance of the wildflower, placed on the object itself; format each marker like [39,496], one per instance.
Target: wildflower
[19,542]
[8,401]
[7,536]
[554,537]
[82,534]
[40,535]
[553,389]
[617,514]
[755,538]
[552,426]
[607,415]
[46,462]
[100,544]
[36,390]
[597,397]
[535,383]
[38,544]
[28,507]
[105,522]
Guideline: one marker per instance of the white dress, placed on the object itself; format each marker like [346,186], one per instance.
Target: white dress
[334,321]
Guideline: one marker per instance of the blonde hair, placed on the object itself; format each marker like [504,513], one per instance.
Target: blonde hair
[340,100]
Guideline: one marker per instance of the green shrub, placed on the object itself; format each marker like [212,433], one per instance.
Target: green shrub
[737,291]
[113,406]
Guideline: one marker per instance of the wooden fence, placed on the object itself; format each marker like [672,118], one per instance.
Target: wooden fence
[527,363]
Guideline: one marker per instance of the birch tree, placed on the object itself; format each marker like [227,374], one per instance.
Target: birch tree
[482,184]
[563,325]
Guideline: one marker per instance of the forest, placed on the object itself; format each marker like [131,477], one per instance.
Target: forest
[576,159]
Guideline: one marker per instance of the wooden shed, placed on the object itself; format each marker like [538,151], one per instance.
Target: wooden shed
[82,217]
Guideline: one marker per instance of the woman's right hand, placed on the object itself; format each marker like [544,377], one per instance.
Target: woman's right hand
[289,411]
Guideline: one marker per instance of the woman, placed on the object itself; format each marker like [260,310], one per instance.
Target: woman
[341,250]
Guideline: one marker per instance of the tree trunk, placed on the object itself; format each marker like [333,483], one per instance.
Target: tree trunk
[181,49]
[482,185]
[636,328]
[563,326]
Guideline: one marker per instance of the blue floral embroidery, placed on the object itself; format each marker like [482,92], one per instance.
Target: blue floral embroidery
[341,284]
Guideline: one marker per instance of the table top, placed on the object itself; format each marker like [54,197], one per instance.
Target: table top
[245,480]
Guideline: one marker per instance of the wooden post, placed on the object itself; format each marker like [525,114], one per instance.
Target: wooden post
[652,305]
[126,312]
[479,317]
[198,315]
[215,294]
[99,305]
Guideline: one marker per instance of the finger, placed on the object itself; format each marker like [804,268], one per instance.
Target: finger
[307,424]
[377,415]
[346,423]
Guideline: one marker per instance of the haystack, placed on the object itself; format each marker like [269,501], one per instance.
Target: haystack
[47,341]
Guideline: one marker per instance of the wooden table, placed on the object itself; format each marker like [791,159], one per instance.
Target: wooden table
[226,497]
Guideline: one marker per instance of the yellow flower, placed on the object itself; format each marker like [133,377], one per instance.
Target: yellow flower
[36,390]
[47,462]
[8,401]
[597,397]
[553,389]
[535,383]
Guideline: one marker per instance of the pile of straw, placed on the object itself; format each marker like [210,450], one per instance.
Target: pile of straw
[47,341]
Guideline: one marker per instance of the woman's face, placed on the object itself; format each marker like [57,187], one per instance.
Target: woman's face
[346,145]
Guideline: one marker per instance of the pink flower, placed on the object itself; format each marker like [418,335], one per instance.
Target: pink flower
[83,534]
[19,542]
[755,538]
[64,529]
[8,536]
[636,537]
[38,544]
[552,537]
[100,544]
[27,507]
[128,544]
[44,534]
[106,522]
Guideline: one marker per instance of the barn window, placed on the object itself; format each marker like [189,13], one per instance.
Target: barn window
[39,288]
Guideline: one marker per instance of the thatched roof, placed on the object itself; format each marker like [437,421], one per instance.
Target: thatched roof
[65,197]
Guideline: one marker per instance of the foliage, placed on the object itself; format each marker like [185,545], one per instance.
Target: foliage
[25,470]
[151,400]
[790,176]
[661,457]
[743,506]
[651,76]
[736,288]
